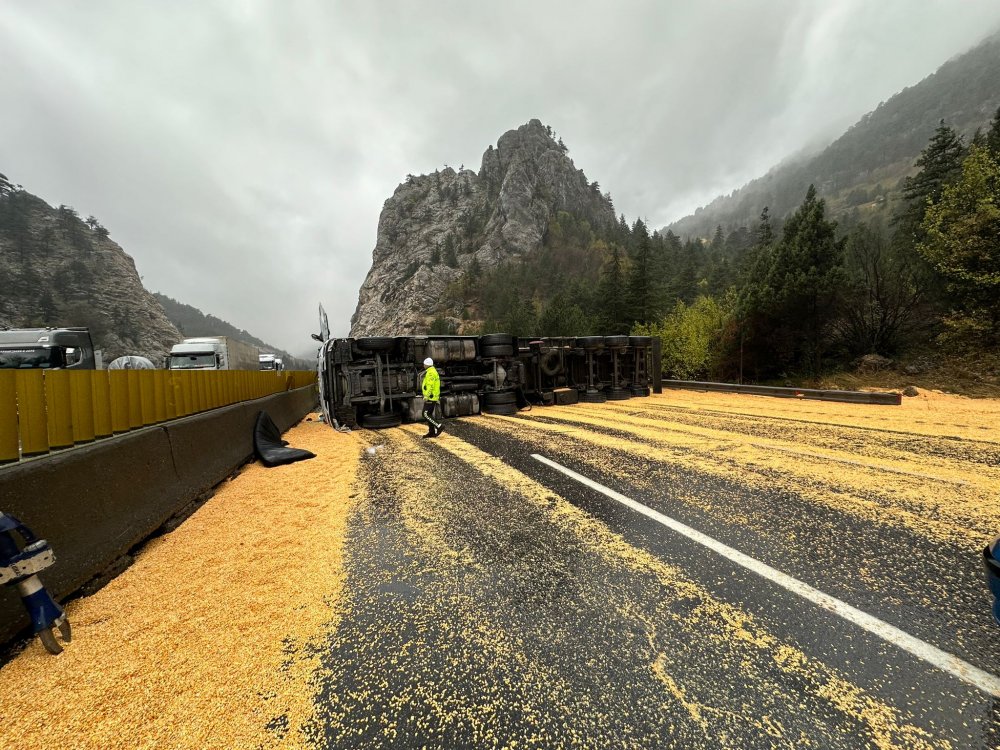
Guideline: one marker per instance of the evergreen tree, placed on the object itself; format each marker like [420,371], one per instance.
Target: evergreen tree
[788,302]
[640,292]
[940,163]
[993,135]
[962,232]
[611,293]
[805,275]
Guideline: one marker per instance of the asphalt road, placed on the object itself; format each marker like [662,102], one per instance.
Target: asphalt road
[493,601]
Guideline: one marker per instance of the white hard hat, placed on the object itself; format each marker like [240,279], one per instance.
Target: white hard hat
[428,362]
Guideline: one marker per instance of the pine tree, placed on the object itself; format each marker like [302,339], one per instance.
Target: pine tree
[940,163]
[993,135]
[611,293]
[805,275]
[640,291]
[962,232]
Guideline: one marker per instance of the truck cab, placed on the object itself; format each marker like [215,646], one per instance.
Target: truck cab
[198,354]
[47,348]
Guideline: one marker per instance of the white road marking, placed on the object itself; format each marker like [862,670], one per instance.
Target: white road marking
[934,656]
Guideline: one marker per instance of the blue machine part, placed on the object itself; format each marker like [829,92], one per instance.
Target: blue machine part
[991,559]
[19,567]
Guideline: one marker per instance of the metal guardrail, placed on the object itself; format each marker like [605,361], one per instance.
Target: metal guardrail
[851,397]
[48,410]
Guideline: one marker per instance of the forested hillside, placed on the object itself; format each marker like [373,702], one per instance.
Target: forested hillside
[57,269]
[192,322]
[870,160]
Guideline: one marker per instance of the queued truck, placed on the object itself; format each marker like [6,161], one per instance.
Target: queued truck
[48,348]
[374,381]
[213,353]
[270,361]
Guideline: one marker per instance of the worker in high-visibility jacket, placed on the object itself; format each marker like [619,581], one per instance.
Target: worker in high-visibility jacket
[432,396]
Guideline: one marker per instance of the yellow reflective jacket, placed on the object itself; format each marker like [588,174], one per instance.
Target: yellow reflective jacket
[432,385]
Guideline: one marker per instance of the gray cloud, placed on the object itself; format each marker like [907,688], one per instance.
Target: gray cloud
[241,152]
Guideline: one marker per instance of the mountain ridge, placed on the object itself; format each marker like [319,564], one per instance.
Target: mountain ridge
[868,161]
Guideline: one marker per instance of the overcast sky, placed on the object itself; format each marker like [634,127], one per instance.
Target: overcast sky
[241,151]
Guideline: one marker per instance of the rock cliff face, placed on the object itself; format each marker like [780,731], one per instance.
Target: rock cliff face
[435,226]
[57,270]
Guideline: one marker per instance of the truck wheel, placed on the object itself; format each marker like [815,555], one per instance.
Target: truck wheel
[592,397]
[497,350]
[496,339]
[640,340]
[503,410]
[549,363]
[616,342]
[590,343]
[381,421]
[499,398]
[619,394]
[375,343]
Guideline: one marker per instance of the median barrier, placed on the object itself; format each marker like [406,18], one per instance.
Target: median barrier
[852,397]
[96,503]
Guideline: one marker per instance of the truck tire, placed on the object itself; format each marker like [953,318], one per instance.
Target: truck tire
[497,350]
[550,363]
[592,397]
[640,340]
[640,391]
[496,339]
[381,421]
[619,394]
[616,342]
[503,410]
[375,343]
[590,343]
[499,398]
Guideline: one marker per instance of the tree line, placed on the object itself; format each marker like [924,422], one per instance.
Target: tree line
[792,296]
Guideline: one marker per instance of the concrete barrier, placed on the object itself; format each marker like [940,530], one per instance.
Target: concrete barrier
[852,397]
[97,502]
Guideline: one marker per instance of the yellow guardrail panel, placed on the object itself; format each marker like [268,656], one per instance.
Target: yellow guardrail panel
[54,409]
[159,395]
[118,384]
[147,397]
[59,408]
[32,421]
[134,399]
[170,395]
[9,440]
[100,393]
[82,394]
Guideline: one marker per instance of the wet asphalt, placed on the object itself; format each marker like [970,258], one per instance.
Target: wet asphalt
[494,602]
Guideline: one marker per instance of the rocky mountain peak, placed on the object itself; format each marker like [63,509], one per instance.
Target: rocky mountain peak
[436,228]
[59,270]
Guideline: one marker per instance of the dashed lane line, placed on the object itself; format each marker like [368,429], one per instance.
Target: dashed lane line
[953,665]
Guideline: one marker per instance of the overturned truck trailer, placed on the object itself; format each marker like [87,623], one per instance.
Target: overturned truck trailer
[375,381]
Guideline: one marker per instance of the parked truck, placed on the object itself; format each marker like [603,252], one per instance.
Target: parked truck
[48,348]
[213,353]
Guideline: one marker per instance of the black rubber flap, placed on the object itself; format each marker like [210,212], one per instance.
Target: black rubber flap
[269,446]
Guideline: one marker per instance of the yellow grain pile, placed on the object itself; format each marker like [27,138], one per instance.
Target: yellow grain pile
[209,639]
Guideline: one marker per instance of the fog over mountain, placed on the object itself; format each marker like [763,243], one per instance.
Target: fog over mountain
[242,152]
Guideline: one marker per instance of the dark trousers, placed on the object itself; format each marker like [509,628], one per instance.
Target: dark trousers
[429,411]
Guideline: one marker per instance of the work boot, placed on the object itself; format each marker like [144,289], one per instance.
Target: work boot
[431,432]
[439,430]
